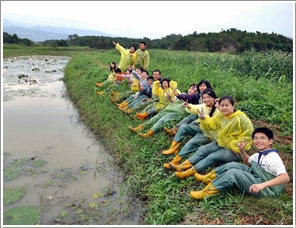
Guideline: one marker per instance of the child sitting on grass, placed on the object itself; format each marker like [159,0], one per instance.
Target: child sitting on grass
[265,177]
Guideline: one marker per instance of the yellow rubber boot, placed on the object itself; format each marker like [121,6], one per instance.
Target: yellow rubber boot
[183,166]
[172,131]
[141,118]
[142,115]
[122,104]
[174,148]
[102,93]
[115,99]
[187,173]
[123,108]
[207,178]
[99,84]
[175,161]
[136,129]
[147,135]
[209,190]
[128,111]
[114,93]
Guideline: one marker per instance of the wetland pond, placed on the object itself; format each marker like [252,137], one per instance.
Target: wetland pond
[55,172]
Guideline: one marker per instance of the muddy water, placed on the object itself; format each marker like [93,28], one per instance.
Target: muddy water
[78,184]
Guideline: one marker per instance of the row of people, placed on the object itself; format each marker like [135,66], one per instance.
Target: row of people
[219,132]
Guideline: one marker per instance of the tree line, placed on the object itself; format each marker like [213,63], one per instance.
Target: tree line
[14,39]
[230,41]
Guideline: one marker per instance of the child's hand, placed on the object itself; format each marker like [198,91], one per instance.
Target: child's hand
[201,114]
[168,96]
[255,188]
[217,104]
[185,104]
[241,145]
[175,92]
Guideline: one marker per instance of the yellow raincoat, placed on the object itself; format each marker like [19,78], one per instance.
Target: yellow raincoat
[111,76]
[161,93]
[126,58]
[135,87]
[142,58]
[230,130]
[210,134]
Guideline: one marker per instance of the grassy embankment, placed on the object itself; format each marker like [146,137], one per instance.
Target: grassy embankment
[267,98]
[12,50]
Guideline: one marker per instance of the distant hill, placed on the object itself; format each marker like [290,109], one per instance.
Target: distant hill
[38,33]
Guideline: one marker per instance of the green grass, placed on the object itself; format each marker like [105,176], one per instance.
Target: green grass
[165,198]
[12,50]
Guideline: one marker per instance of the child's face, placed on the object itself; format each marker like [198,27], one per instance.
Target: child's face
[138,71]
[208,100]
[192,90]
[144,75]
[261,141]
[149,82]
[226,108]
[165,84]
[132,50]
[202,87]
[112,65]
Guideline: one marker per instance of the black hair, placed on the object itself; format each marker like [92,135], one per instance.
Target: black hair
[264,130]
[134,47]
[165,79]
[145,71]
[114,66]
[150,77]
[129,70]
[194,84]
[143,42]
[157,71]
[117,70]
[212,94]
[206,82]
[140,68]
[229,98]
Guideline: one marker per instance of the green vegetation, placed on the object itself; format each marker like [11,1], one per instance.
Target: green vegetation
[12,50]
[19,166]
[11,195]
[14,39]
[265,98]
[24,215]
[262,85]
[231,41]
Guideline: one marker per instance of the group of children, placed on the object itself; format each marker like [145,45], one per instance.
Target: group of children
[220,133]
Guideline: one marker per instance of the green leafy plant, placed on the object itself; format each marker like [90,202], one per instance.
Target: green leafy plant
[12,195]
[24,215]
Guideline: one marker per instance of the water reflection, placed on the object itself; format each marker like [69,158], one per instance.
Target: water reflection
[40,123]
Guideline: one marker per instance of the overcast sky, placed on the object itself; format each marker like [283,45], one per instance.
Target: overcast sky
[156,19]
